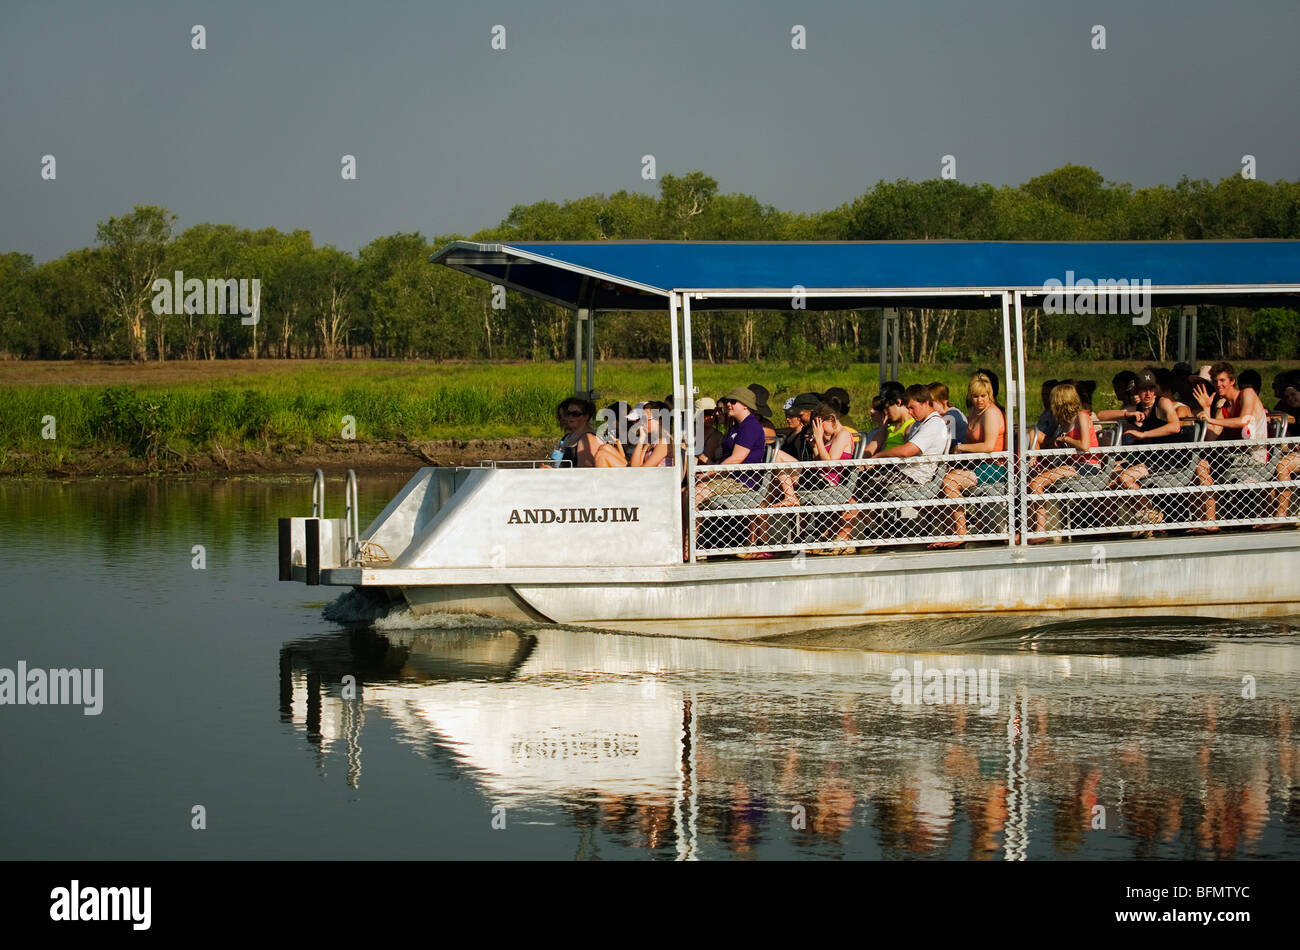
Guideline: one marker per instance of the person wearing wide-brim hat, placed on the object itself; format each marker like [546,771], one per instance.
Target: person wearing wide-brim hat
[763,410]
[744,444]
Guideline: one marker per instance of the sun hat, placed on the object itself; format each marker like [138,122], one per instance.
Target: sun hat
[705,403]
[760,400]
[808,401]
[744,396]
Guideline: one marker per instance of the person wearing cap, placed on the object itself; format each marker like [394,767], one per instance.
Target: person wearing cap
[1153,420]
[744,444]
[708,438]
[798,445]
[1154,417]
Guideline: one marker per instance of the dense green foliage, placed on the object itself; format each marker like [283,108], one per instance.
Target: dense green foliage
[388,301]
[303,404]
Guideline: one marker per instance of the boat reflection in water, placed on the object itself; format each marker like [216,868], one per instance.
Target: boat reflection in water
[1119,741]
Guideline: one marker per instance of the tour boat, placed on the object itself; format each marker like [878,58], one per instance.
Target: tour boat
[631,550]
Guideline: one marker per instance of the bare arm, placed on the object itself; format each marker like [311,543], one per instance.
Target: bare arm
[738,455]
[1172,425]
[658,452]
[904,451]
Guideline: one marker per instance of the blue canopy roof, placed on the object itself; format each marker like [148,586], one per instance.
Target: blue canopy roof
[639,275]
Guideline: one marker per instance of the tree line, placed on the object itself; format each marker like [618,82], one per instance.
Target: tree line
[387,301]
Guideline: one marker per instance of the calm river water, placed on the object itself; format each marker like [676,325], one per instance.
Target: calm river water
[225,689]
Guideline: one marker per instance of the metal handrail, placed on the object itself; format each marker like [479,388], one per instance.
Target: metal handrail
[318,495]
[353,527]
[524,463]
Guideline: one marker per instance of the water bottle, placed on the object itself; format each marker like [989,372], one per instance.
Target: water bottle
[557,454]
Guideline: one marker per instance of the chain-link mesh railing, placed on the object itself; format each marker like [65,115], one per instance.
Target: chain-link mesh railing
[859,504]
[1144,489]
[845,506]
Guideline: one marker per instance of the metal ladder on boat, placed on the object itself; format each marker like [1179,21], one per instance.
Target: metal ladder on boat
[352,529]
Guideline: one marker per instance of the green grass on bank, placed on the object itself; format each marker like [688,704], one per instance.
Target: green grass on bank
[305,404]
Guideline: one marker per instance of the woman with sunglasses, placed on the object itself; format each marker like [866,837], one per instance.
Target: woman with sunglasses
[580,446]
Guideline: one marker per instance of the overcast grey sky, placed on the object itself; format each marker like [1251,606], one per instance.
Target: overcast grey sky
[449,134]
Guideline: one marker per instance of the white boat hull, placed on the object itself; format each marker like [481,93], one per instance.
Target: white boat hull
[1233,576]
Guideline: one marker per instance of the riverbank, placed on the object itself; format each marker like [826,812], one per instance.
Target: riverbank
[365,458]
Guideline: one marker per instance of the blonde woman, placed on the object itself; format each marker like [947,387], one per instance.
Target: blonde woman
[986,431]
[1076,424]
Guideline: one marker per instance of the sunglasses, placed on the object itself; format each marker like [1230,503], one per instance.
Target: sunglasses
[573,413]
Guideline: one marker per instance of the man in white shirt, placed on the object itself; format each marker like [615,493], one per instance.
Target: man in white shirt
[928,436]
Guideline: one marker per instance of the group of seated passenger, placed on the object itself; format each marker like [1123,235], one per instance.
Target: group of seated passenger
[628,436]
[1156,406]
[909,422]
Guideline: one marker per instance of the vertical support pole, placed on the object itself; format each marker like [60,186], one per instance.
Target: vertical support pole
[889,345]
[591,353]
[895,345]
[1022,461]
[1015,405]
[688,408]
[674,343]
[579,316]
[884,348]
[1182,335]
[1194,312]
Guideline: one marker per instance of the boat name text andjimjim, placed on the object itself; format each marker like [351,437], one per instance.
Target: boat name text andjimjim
[572,515]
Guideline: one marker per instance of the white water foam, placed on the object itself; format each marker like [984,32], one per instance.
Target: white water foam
[354,607]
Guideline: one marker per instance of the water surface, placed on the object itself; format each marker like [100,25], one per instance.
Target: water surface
[305,737]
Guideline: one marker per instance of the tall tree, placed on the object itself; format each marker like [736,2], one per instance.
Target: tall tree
[134,250]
